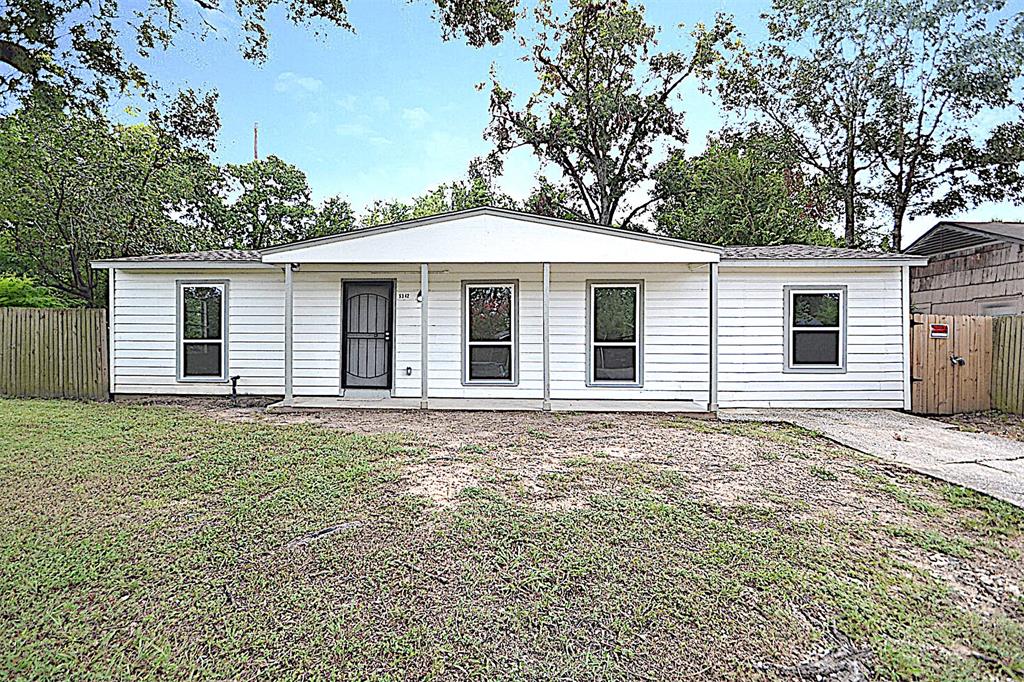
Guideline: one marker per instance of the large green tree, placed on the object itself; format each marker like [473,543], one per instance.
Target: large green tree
[888,99]
[271,205]
[605,97]
[83,52]
[77,188]
[744,189]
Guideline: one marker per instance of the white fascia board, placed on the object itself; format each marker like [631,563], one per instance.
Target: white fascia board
[824,263]
[180,265]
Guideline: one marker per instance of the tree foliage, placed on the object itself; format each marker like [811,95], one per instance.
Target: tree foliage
[742,190]
[77,188]
[21,291]
[476,191]
[272,204]
[334,215]
[605,98]
[85,52]
[888,101]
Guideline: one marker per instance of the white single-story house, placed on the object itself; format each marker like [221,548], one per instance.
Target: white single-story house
[491,308]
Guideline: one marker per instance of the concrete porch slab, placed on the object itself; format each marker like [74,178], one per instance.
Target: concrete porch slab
[475,404]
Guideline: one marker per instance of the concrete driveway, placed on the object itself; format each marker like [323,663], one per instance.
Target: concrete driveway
[985,463]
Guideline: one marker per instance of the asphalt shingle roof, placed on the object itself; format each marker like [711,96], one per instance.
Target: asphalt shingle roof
[801,252]
[218,256]
[781,252]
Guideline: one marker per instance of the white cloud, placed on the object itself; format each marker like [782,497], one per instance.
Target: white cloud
[361,131]
[415,118]
[289,81]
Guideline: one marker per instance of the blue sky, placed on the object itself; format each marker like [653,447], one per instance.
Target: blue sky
[391,110]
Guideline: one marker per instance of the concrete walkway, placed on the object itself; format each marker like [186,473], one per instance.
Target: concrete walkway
[985,463]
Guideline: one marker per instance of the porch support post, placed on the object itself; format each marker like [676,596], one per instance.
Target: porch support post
[713,341]
[288,320]
[547,337]
[907,343]
[424,335]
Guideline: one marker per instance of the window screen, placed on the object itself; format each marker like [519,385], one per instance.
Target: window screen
[490,332]
[202,331]
[615,333]
[815,329]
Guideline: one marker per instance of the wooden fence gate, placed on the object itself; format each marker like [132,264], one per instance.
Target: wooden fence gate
[48,353]
[951,364]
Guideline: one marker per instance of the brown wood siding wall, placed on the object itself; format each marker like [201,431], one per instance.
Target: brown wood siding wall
[956,284]
[54,353]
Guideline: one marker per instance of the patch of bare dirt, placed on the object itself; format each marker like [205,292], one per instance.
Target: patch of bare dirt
[992,422]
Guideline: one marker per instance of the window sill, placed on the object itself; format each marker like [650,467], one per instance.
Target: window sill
[814,370]
[490,383]
[612,384]
[202,380]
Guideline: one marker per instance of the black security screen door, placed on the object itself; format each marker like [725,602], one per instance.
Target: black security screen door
[366,346]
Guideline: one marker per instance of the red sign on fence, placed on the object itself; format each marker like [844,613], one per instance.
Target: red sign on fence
[939,331]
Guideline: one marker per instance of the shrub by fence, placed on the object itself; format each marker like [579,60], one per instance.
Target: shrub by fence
[54,353]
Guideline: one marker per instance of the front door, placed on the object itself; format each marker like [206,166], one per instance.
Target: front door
[366,338]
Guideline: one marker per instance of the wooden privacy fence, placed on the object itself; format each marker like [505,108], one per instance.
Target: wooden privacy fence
[965,363]
[46,353]
[1008,364]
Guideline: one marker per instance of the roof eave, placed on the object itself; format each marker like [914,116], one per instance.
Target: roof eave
[963,228]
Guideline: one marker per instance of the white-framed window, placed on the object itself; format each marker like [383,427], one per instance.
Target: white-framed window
[815,328]
[202,330]
[614,333]
[490,310]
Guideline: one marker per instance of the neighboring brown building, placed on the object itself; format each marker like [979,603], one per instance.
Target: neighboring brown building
[974,269]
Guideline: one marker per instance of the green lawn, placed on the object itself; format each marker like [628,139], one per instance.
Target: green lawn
[160,542]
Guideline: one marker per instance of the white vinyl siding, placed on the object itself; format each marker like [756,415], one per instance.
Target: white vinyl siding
[751,355]
[317,327]
[146,335]
[675,333]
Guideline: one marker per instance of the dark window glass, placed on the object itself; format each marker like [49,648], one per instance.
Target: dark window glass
[815,310]
[614,314]
[490,313]
[202,312]
[203,359]
[490,362]
[815,348]
[615,363]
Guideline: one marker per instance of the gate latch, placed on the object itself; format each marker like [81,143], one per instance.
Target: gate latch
[956,360]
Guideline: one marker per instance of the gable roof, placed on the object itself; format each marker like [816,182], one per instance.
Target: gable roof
[495,212]
[492,235]
[340,247]
[947,236]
